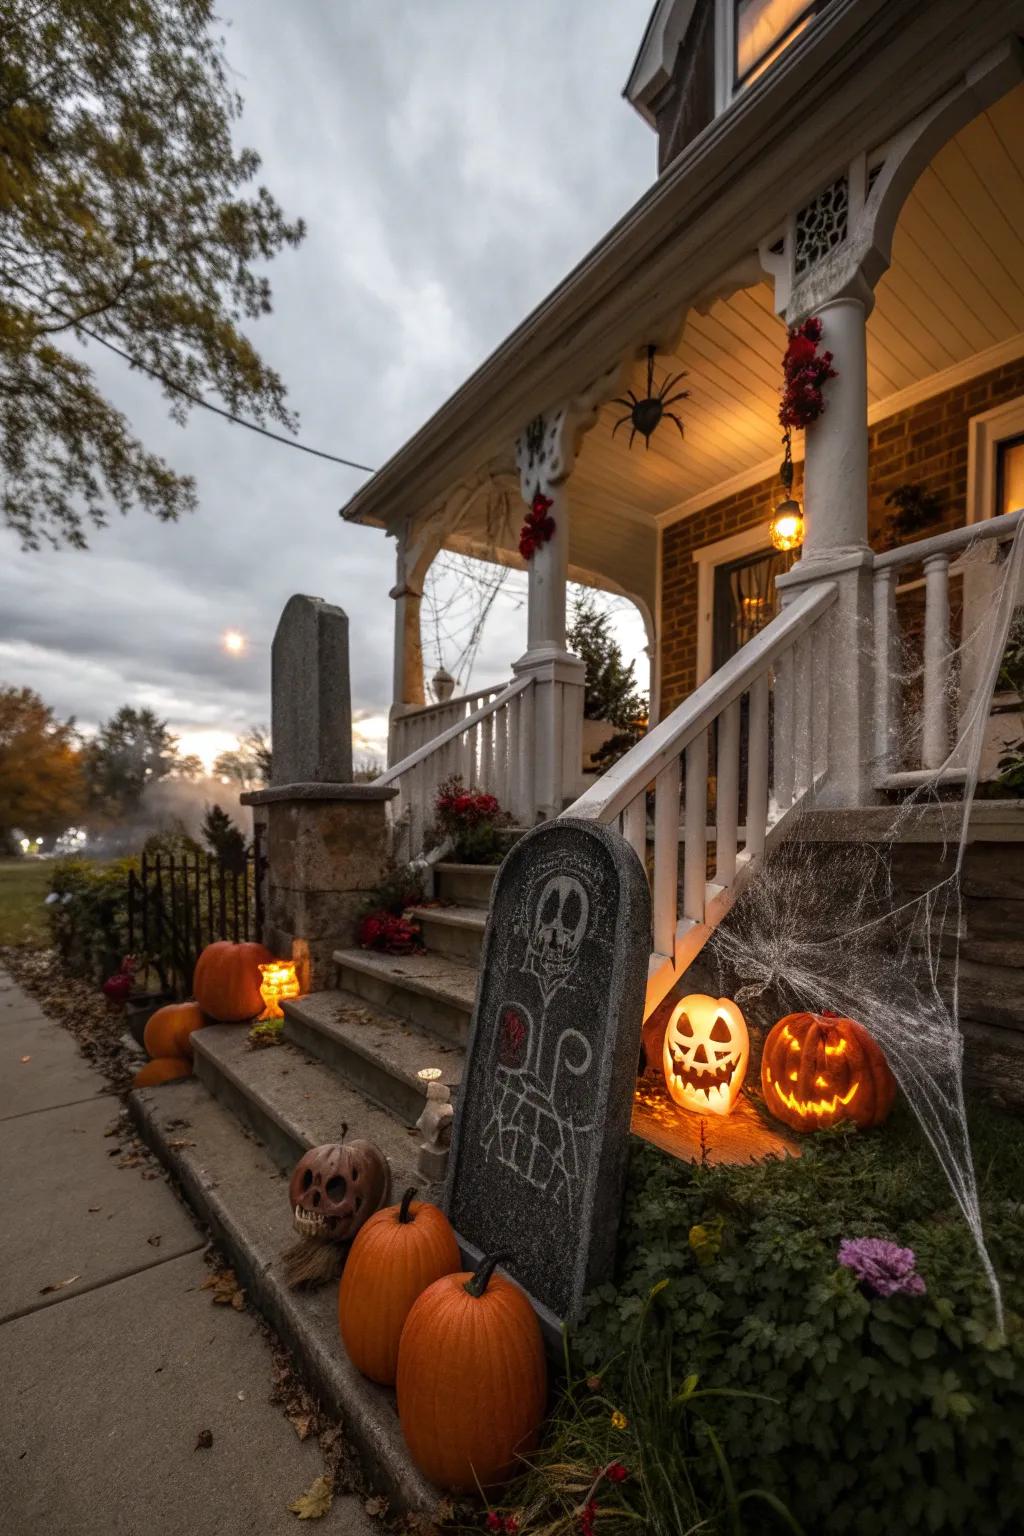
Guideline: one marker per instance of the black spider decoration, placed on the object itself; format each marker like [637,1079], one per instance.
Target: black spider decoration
[644,415]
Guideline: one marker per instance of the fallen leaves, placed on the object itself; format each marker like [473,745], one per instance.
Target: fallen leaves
[204,1440]
[23,1059]
[79,1007]
[59,1285]
[179,1142]
[154,1241]
[376,1506]
[316,1501]
[226,1290]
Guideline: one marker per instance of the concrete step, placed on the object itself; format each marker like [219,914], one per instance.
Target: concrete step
[468,885]
[379,1053]
[241,1195]
[431,991]
[292,1102]
[455,931]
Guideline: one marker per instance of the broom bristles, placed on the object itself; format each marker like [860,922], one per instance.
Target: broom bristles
[311,1262]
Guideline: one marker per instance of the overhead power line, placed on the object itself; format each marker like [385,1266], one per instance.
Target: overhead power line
[239,421]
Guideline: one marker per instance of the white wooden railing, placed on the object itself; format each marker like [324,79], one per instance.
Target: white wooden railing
[416,727]
[905,757]
[782,673]
[491,747]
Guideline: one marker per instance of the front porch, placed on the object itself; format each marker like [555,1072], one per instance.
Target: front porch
[906,256]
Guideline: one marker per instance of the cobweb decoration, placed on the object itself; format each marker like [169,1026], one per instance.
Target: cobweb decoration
[859,945]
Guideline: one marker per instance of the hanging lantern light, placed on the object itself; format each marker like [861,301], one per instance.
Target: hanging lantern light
[786,529]
[277,981]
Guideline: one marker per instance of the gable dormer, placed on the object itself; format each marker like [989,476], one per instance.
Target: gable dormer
[697,56]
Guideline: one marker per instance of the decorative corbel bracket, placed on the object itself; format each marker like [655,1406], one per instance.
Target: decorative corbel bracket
[839,244]
[546,451]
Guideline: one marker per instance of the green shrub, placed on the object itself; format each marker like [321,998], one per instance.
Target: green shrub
[89,919]
[899,1415]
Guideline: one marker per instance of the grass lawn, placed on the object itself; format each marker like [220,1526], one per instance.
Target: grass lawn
[23,885]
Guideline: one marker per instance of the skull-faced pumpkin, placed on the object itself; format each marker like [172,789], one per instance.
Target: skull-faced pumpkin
[334,1189]
[705,1054]
[818,1069]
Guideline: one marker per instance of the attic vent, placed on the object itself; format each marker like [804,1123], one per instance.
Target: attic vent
[821,226]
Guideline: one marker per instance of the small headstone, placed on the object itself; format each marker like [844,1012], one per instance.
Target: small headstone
[311,701]
[539,1146]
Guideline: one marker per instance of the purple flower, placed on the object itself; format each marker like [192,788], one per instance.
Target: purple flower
[883,1268]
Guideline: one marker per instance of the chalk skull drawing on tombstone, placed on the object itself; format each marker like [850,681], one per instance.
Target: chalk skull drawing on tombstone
[705,1054]
[559,924]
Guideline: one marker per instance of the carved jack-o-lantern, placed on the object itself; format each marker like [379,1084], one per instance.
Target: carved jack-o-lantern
[334,1189]
[705,1054]
[818,1069]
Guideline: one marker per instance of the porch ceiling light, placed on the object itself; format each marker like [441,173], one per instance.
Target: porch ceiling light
[786,529]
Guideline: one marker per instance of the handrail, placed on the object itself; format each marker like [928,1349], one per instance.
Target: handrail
[457,698]
[1002,527]
[460,727]
[615,790]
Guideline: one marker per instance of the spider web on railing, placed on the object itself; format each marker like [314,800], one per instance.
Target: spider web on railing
[861,945]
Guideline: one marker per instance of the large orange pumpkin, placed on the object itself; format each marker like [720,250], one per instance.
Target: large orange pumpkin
[472,1380]
[396,1255]
[227,980]
[168,1031]
[163,1070]
[818,1069]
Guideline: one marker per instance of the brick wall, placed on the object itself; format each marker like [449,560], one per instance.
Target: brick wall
[925,445]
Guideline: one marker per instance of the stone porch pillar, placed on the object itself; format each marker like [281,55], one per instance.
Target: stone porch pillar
[545,456]
[326,839]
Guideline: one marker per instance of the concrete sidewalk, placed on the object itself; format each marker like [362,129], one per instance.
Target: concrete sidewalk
[112,1360]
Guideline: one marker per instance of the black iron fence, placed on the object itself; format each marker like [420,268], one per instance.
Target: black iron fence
[179,903]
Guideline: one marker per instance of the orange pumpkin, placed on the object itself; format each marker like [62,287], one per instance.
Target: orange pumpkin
[168,1031]
[396,1255]
[227,980]
[472,1380]
[164,1069]
[818,1069]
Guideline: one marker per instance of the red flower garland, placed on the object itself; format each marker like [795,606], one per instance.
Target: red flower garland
[806,371]
[538,528]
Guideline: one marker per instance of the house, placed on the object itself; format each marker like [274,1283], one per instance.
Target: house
[852,162]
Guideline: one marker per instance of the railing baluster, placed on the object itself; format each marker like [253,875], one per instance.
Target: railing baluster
[758,738]
[885,681]
[522,745]
[727,794]
[487,775]
[501,773]
[666,858]
[783,764]
[634,825]
[803,718]
[695,855]
[935,732]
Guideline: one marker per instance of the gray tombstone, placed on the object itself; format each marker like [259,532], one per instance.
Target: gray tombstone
[311,701]
[540,1140]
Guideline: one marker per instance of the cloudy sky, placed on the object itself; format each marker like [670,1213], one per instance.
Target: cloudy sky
[453,159]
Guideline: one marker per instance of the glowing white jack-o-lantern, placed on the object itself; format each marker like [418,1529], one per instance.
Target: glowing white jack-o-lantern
[705,1054]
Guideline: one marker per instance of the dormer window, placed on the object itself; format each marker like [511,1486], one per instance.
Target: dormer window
[761,31]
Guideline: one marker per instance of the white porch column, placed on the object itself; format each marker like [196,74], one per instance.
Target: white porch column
[412,561]
[836,463]
[545,456]
[836,547]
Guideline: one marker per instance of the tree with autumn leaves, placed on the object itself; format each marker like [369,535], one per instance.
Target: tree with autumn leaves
[42,789]
[128,221]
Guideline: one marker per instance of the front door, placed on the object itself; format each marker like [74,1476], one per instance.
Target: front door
[745,599]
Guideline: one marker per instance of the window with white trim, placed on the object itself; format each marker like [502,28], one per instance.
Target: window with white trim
[752,34]
[995,461]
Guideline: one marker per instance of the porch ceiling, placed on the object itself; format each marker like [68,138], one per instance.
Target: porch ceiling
[954,293]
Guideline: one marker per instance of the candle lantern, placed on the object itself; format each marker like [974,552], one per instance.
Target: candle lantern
[277,981]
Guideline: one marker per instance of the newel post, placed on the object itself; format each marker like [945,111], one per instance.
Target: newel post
[325,838]
[554,724]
